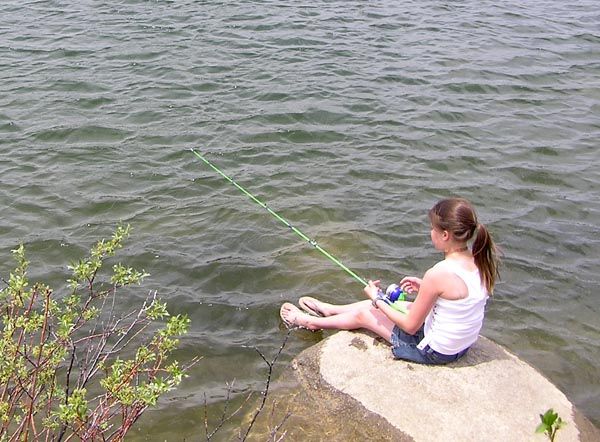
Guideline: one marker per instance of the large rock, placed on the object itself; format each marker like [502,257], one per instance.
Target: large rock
[350,388]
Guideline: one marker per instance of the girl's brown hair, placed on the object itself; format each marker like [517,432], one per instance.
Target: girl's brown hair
[457,216]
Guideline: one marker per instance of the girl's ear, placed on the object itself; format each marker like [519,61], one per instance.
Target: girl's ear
[445,235]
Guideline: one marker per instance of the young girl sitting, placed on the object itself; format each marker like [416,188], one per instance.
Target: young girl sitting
[447,314]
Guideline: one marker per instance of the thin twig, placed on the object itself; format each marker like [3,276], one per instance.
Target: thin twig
[267,384]
[224,417]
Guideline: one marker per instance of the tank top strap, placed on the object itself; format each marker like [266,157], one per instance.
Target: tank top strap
[468,277]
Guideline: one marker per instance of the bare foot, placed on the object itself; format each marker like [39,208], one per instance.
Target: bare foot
[293,317]
[312,306]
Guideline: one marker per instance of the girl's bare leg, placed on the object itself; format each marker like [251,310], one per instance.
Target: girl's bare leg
[365,317]
[326,309]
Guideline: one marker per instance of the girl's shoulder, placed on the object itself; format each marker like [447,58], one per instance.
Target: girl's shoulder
[453,266]
[439,269]
[441,266]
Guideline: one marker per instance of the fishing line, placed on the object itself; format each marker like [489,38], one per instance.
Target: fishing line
[282,220]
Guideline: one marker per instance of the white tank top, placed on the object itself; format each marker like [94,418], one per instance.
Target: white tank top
[453,325]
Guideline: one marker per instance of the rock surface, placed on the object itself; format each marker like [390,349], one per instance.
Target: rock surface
[351,378]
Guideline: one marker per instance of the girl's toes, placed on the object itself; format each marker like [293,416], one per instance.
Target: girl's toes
[289,314]
[292,316]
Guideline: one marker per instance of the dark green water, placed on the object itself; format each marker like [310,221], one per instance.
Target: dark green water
[351,119]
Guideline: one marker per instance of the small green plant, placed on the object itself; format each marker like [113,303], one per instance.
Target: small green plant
[551,423]
[70,366]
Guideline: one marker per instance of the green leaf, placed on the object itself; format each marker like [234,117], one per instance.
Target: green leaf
[541,428]
[550,417]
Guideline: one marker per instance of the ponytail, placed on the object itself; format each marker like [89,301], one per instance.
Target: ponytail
[457,216]
[485,256]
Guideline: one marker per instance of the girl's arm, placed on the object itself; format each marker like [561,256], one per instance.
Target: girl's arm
[420,308]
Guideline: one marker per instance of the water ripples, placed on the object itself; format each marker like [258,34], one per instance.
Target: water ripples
[350,119]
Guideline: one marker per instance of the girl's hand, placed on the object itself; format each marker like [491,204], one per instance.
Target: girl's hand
[372,289]
[410,284]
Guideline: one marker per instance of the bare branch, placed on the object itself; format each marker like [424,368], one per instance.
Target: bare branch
[224,417]
[267,384]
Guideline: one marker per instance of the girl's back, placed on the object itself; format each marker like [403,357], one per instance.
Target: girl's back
[456,318]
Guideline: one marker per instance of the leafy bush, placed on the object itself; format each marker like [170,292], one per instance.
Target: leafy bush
[63,374]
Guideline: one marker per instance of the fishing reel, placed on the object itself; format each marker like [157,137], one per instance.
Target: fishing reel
[394,293]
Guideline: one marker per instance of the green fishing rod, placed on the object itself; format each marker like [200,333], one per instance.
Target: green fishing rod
[283,220]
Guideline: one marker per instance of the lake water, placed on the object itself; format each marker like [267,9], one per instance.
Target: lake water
[350,119]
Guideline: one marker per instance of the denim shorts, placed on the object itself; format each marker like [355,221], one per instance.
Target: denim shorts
[404,346]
